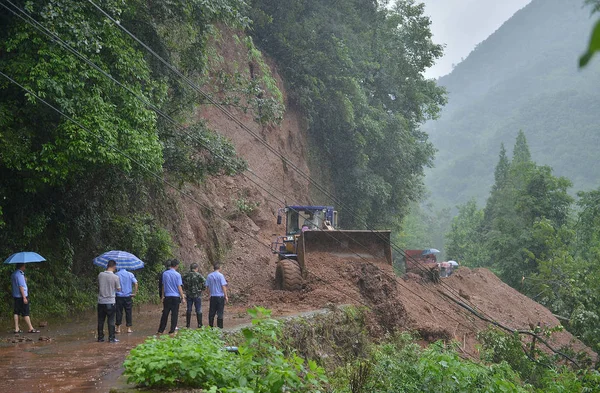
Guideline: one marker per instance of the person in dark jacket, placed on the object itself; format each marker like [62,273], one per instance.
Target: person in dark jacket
[193,285]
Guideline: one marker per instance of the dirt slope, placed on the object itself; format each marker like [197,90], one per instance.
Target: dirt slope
[242,242]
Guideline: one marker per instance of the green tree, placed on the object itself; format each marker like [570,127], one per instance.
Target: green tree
[44,153]
[521,152]
[72,192]
[356,69]
[501,171]
[523,195]
[494,207]
[464,242]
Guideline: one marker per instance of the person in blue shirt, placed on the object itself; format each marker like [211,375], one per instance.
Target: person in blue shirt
[172,297]
[124,299]
[217,286]
[20,296]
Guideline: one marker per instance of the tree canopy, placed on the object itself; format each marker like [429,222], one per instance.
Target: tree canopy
[536,238]
[356,69]
[83,171]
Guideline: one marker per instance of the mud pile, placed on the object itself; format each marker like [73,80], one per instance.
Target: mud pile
[399,304]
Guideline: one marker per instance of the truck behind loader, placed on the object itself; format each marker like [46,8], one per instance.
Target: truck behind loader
[311,229]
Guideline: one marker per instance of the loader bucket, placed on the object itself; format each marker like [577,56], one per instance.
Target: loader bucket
[351,244]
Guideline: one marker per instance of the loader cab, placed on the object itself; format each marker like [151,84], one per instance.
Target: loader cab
[297,220]
[308,217]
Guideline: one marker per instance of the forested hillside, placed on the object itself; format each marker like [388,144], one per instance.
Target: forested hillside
[523,77]
[96,132]
[108,108]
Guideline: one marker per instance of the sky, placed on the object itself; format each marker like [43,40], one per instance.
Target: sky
[462,24]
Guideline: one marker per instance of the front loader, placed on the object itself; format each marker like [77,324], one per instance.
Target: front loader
[314,229]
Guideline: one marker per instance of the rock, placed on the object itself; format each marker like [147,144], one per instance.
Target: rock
[253,227]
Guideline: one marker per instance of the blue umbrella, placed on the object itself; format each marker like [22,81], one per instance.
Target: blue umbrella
[125,260]
[25,257]
[430,251]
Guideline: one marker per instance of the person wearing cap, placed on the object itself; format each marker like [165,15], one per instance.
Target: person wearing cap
[217,286]
[124,299]
[172,297]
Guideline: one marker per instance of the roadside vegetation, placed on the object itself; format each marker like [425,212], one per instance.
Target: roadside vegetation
[276,357]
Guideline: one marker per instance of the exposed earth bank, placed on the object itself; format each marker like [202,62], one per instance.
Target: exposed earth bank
[241,242]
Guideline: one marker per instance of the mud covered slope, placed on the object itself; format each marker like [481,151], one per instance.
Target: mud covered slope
[213,221]
[210,227]
[411,304]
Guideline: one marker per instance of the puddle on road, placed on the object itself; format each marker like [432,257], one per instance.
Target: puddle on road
[73,360]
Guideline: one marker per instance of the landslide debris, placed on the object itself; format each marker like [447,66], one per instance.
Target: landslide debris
[409,303]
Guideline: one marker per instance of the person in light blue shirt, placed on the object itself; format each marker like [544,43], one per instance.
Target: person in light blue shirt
[124,299]
[172,296]
[21,297]
[217,286]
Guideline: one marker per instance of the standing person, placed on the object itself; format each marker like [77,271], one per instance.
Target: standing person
[124,299]
[20,296]
[193,285]
[217,286]
[172,297]
[108,285]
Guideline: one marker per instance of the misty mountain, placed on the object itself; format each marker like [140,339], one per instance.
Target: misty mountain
[525,76]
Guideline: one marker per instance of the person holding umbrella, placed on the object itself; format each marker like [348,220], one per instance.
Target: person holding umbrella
[123,260]
[20,294]
[19,286]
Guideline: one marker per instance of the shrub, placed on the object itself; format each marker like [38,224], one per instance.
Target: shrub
[193,358]
[197,358]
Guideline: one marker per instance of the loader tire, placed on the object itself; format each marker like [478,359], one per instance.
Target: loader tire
[288,276]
